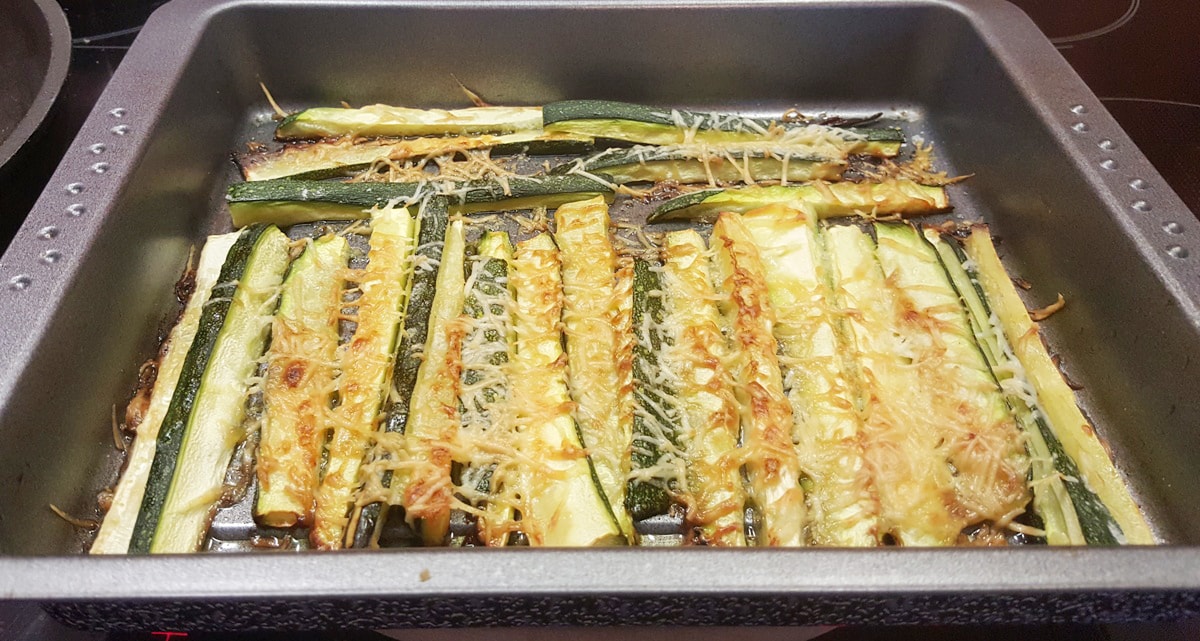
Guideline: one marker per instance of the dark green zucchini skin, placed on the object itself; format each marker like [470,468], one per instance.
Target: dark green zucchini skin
[377,194]
[612,110]
[412,340]
[645,499]
[1097,523]
[603,110]
[544,148]
[175,422]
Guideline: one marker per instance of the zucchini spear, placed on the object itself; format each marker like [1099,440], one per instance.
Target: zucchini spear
[288,202]
[432,221]
[562,503]
[433,417]
[703,164]
[901,439]
[843,506]
[657,452]
[301,366]
[203,424]
[772,465]
[386,120]
[348,155]
[977,434]
[824,200]
[1054,479]
[486,415]
[366,367]
[588,267]
[654,126]
[714,480]
[117,528]
[1078,440]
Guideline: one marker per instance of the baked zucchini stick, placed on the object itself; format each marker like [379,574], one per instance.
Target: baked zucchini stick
[772,465]
[657,464]
[562,503]
[822,199]
[348,155]
[977,431]
[487,423]
[843,506]
[366,370]
[204,422]
[716,497]
[301,366]
[588,266]
[386,120]
[912,478]
[369,516]
[717,164]
[1055,399]
[433,418]
[117,528]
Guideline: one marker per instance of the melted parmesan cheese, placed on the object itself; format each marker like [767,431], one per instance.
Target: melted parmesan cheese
[715,497]
[771,462]
[903,444]
[976,432]
[366,369]
[433,419]
[556,498]
[300,369]
[843,505]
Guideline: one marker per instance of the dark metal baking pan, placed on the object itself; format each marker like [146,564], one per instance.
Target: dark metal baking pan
[89,278]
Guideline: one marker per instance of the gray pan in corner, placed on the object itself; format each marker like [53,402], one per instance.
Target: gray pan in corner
[35,51]
[1079,208]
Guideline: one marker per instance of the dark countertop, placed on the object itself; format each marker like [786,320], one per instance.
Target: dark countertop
[1140,57]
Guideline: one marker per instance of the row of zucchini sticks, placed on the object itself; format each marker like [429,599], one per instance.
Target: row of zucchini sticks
[790,380]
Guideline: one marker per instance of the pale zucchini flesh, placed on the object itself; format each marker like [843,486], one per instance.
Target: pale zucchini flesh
[117,528]
[588,268]
[299,385]
[657,473]
[366,364]
[727,164]
[912,478]
[656,126]
[348,155]
[1052,501]
[369,515]
[290,202]
[486,419]
[979,436]
[772,465]
[820,198]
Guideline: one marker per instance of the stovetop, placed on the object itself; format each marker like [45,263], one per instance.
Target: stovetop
[1140,57]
